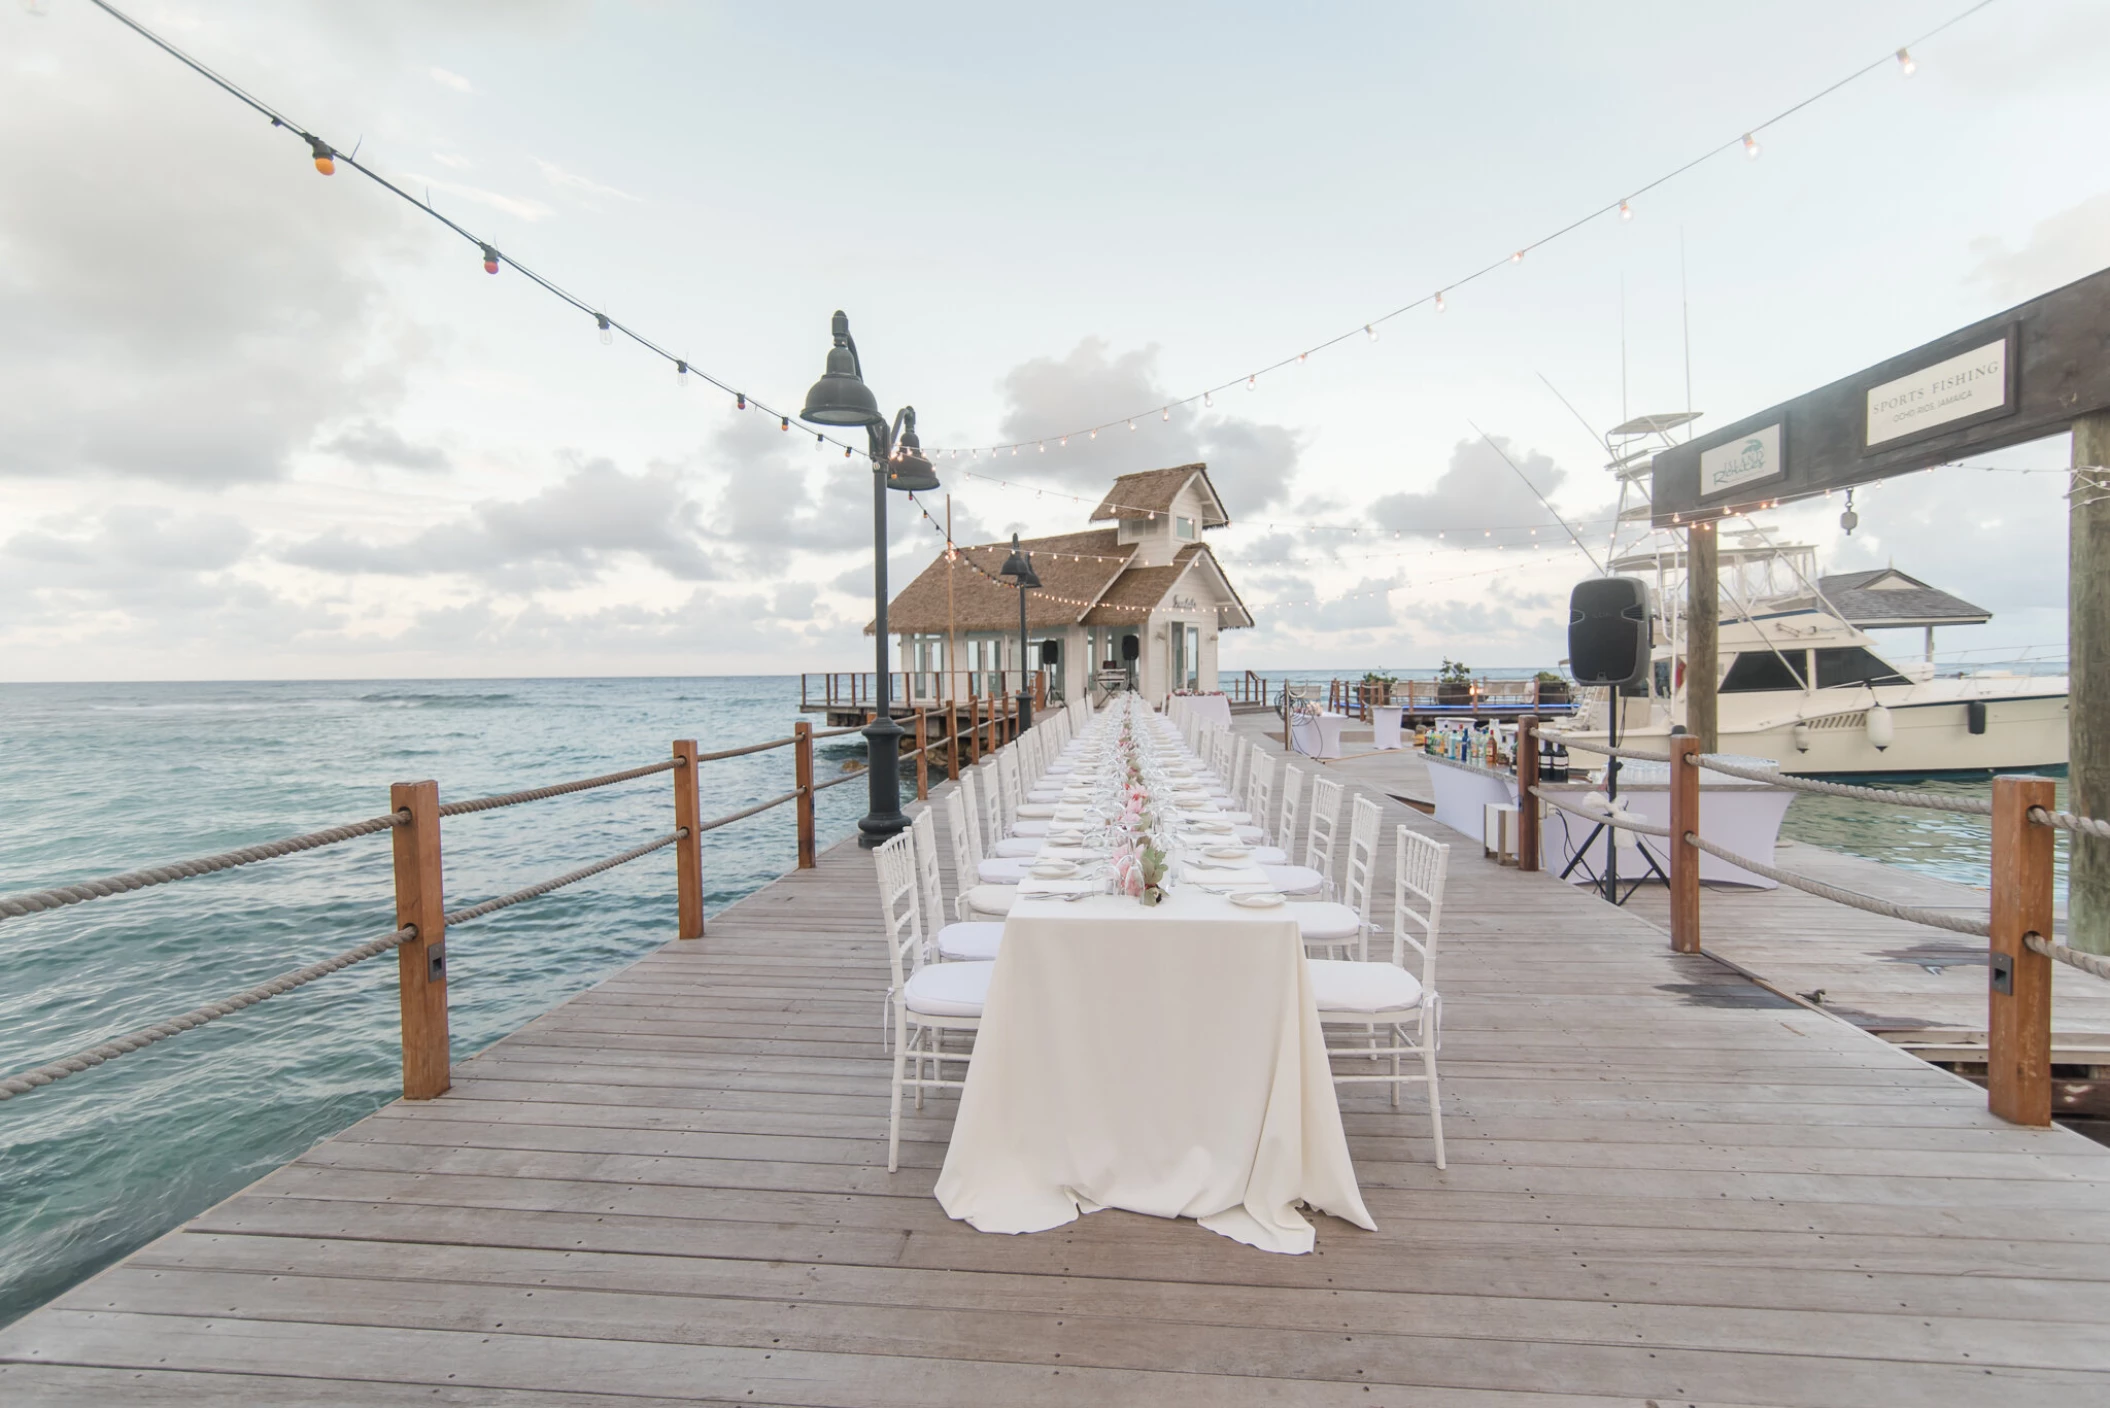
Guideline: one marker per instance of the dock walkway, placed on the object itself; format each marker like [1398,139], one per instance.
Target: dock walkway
[1666,1185]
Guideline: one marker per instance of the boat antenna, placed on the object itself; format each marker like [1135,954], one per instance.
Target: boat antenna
[1685,320]
[1604,442]
[1572,534]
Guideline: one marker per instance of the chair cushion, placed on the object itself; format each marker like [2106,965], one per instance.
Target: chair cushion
[976,939]
[989,899]
[947,989]
[1040,809]
[1030,828]
[1240,818]
[1270,855]
[1020,846]
[1004,870]
[1341,986]
[1251,835]
[1293,879]
[1336,922]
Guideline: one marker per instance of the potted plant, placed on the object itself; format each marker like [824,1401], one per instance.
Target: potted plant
[1377,689]
[1454,682]
[1553,688]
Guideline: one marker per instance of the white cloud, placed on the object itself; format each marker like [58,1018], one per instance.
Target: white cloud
[2065,247]
[515,206]
[558,176]
[452,80]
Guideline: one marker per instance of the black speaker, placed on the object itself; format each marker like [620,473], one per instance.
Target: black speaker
[1050,652]
[1131,648]
[1608,631]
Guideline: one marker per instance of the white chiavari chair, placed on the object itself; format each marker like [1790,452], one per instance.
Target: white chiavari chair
[1390,996]
[1332,926]
[978,899]
[1322,829]
[1286,831]
[961,939]
[926,999]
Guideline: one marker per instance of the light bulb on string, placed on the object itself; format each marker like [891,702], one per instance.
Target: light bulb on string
[325,159]
[739,400]
[1252,383]
[1751,146]
[1065,441]
[1517,258]
[1167,415]
[1626,210]
[1439,303]
[1131,423]
[1095,433]
[607,332]
[681,372]
[490,259]
[1371,329]
[1208,398]
[786,426]
[1907,65]
[1301,356]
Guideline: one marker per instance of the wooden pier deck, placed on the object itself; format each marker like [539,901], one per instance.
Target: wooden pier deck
[1666,1185]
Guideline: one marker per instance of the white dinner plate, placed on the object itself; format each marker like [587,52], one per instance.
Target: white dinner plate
[1227,852]
[1257,899]
[1052,869]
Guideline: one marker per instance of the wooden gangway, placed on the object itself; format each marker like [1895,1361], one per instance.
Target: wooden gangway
[1665,1183]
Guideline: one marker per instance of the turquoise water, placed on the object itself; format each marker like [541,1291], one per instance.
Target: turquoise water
[100,778]
[1948,844]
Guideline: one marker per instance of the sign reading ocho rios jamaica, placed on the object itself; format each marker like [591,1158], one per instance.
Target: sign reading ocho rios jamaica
[1973,384]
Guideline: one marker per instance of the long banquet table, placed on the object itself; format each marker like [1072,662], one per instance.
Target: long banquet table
[1165,1060]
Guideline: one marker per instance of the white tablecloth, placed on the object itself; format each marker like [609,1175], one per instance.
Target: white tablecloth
[1384,721]
[1317,735]
[1168,1061]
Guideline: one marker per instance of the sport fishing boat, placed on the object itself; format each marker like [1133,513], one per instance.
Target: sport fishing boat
[1803,685]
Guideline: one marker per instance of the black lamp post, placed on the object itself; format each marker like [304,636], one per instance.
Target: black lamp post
[1019,568]
[841,397]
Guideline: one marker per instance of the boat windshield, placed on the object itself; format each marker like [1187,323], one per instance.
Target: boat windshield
[1757,670]
[1852,665]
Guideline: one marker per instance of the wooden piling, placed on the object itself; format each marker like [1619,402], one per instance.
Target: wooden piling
[2018,1019]
[952,740]
[2088,674]
[1703,616]
[802,779]
[688,852]
[1527,804]
[421,964]
[923,755]
[1684,858]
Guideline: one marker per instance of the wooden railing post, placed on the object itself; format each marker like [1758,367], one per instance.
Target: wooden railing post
[1684,859]
[974,726]
[2018,1020]
[688,852]
[952,740]
[1527,804]
[421,964]
[923,755]
[802,778]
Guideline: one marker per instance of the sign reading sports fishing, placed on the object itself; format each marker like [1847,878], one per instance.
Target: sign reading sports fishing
[2021,375]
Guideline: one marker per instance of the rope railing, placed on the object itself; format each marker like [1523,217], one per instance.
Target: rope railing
[2067,821]
[1934,918]
[1968,806]
[839,781]
[23,1082]
[1632,755]
[34,901]
[745,812]
[560,789]
[2086,962]
[571,877]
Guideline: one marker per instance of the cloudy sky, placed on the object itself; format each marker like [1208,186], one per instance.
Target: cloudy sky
[260,423]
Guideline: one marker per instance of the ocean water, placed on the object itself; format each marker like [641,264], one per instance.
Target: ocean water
[101,778]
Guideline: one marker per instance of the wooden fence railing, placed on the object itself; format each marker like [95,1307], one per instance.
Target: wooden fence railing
[2018,926]
[916,689]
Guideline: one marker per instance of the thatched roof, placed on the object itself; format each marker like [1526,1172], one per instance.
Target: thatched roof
[1074,570]
[1151,491]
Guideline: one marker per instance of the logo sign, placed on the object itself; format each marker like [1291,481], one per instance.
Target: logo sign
[1972,386]
[1743,460]
[1185,603]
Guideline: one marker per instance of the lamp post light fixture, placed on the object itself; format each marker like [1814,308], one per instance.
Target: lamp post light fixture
[841,397]
[1019,568]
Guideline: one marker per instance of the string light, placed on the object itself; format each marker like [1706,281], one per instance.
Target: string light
[740,403]
[1751,146]
[681,370]
[1517,258]
[1907,65]
[490,258]
[1626,210]
[1208,398]
[787,424]
[1440,305]
[325,159]
[1252,383]
[1370,330]
[1131,422]
[607,333]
